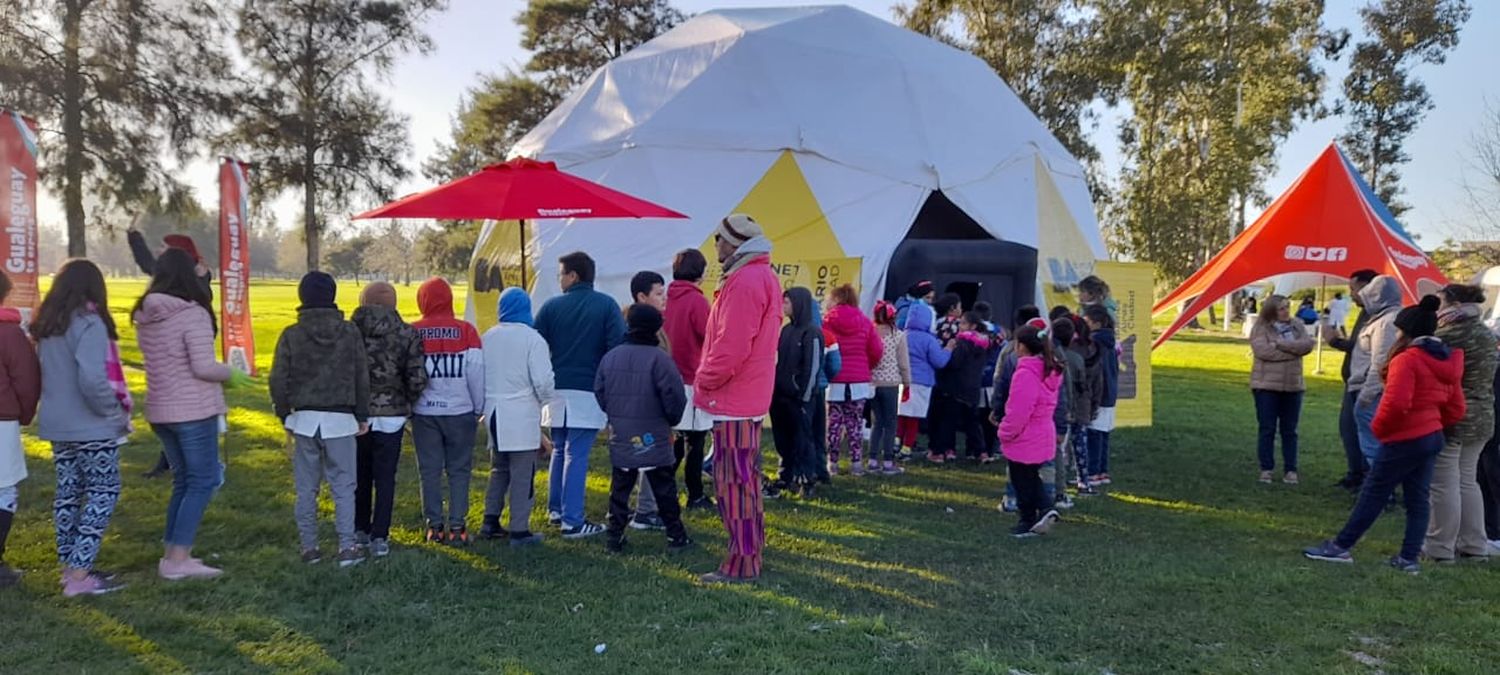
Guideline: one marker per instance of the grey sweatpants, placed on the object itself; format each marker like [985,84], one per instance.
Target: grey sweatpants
[645,504]
[316,459]
[513,479]
[445,445]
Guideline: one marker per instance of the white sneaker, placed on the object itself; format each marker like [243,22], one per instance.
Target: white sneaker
[1044,525]
[1495,547]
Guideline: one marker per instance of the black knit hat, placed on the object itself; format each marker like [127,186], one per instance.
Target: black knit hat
[921,289]
[317,291]
[1419,320]
[642,322]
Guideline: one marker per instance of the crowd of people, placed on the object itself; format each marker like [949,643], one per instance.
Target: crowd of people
[1418,415]
[657,377]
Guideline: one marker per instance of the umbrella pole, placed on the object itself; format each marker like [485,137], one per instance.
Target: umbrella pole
[521,226]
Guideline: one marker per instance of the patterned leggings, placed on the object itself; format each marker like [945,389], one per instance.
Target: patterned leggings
[737,482]
[88,485]
[846,419]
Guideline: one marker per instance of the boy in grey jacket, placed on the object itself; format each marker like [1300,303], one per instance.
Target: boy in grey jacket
[641,392]
[1372,349]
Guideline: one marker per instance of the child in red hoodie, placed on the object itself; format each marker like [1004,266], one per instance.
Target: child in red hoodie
[446,416]
[20,387]
[1423,396]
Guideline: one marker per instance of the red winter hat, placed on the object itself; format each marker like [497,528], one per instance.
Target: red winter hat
[183,242]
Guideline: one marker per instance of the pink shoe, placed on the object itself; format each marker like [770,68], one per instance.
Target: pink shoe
[90,585]
[191,568]
[952,456]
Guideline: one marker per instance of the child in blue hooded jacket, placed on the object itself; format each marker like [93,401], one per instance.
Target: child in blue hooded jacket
[927,356]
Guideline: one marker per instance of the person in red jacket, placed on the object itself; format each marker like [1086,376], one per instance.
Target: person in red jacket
[686,325]
[20,387]
[1423,396]
[734,383]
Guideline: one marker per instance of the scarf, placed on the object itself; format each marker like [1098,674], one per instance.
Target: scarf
[115,372]
[756,246]
[1458,313]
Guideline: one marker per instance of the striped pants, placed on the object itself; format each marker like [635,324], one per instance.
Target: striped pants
[88,485]
[737,485]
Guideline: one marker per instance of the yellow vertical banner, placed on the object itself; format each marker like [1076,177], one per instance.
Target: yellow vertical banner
[495,266]
[1133,286]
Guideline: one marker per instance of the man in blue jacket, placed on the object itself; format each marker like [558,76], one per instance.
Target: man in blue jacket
[580,327]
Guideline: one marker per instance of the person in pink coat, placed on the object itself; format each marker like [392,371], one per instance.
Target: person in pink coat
[175,327]
[861,349]
[734,383]
[1028,435]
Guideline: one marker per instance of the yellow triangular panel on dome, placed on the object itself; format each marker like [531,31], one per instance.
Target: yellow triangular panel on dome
[786,208]
[1063,254]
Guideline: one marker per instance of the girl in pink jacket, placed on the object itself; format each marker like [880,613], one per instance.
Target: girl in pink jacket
[1028,436]
[184,398]
[861,349]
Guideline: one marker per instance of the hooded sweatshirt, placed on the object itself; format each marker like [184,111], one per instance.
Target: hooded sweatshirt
[799,353]
[1424,392]
[517,376]
[183,379]
[638,387]
[860,346]
[686,324]
[320,365]
[1460,328]
[79,401]
[455,360]
[925,351]
[1103,363]
[1382,300]
[20,373]
[1028,434]
[738,370]
[398,369]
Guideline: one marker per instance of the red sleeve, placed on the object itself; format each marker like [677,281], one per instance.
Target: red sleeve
[1400,387]
[698,318]
[25,373]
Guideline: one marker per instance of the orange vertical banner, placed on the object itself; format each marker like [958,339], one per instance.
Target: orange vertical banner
[18,160]
[234,266]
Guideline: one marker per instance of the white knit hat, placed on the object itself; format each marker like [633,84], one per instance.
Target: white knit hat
[738,229]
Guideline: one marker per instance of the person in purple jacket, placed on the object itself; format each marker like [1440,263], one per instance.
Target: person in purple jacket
[927,356]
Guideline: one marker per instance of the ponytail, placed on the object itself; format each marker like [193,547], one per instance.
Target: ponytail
[1039,343]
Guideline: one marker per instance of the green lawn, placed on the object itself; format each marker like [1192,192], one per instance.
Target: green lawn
[1188,565]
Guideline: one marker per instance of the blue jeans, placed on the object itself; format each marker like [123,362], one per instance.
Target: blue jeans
[193,450]
[1349,434]
[1409,465]
[1277,411]
[568,477]
[883,432]
[1369,445]
[1098,443]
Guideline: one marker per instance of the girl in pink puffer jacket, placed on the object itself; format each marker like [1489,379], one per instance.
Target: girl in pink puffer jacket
[1028,435]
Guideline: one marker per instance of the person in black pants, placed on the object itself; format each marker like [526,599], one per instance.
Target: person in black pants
[798,354]
[146,260]
[1489,478]
[956,396]
[1354,477]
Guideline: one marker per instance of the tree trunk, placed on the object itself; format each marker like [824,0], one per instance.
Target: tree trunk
[73,132]
[310,227]
[308,110]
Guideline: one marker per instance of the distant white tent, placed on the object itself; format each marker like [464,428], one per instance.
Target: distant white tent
[832,127]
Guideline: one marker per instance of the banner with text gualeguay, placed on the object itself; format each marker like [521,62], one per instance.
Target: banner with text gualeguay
[234,266]
[18,173]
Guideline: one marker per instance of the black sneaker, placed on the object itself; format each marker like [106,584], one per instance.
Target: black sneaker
[613,545]
[1328,552]
[587,529]
[351,556]
[651,522]
[523,539]
[459,536]
[491,530]
[807,490]
[312,556]
[702,504]
[1023,531]
[679,545]
[1044,525]
[1404,565]
[554,518]
[9,576]
[770,492]
[435,534]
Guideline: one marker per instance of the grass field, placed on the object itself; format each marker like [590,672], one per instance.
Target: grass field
[1187,565]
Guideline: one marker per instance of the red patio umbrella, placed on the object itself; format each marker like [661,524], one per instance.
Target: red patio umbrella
[521,189]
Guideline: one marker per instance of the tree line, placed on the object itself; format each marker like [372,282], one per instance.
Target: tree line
[1207,91]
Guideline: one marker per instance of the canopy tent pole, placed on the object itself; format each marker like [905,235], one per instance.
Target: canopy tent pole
[1322,302]
[521,226]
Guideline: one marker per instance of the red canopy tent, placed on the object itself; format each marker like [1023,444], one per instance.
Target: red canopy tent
[1329,222]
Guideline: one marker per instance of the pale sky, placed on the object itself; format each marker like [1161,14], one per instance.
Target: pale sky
[480,36]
